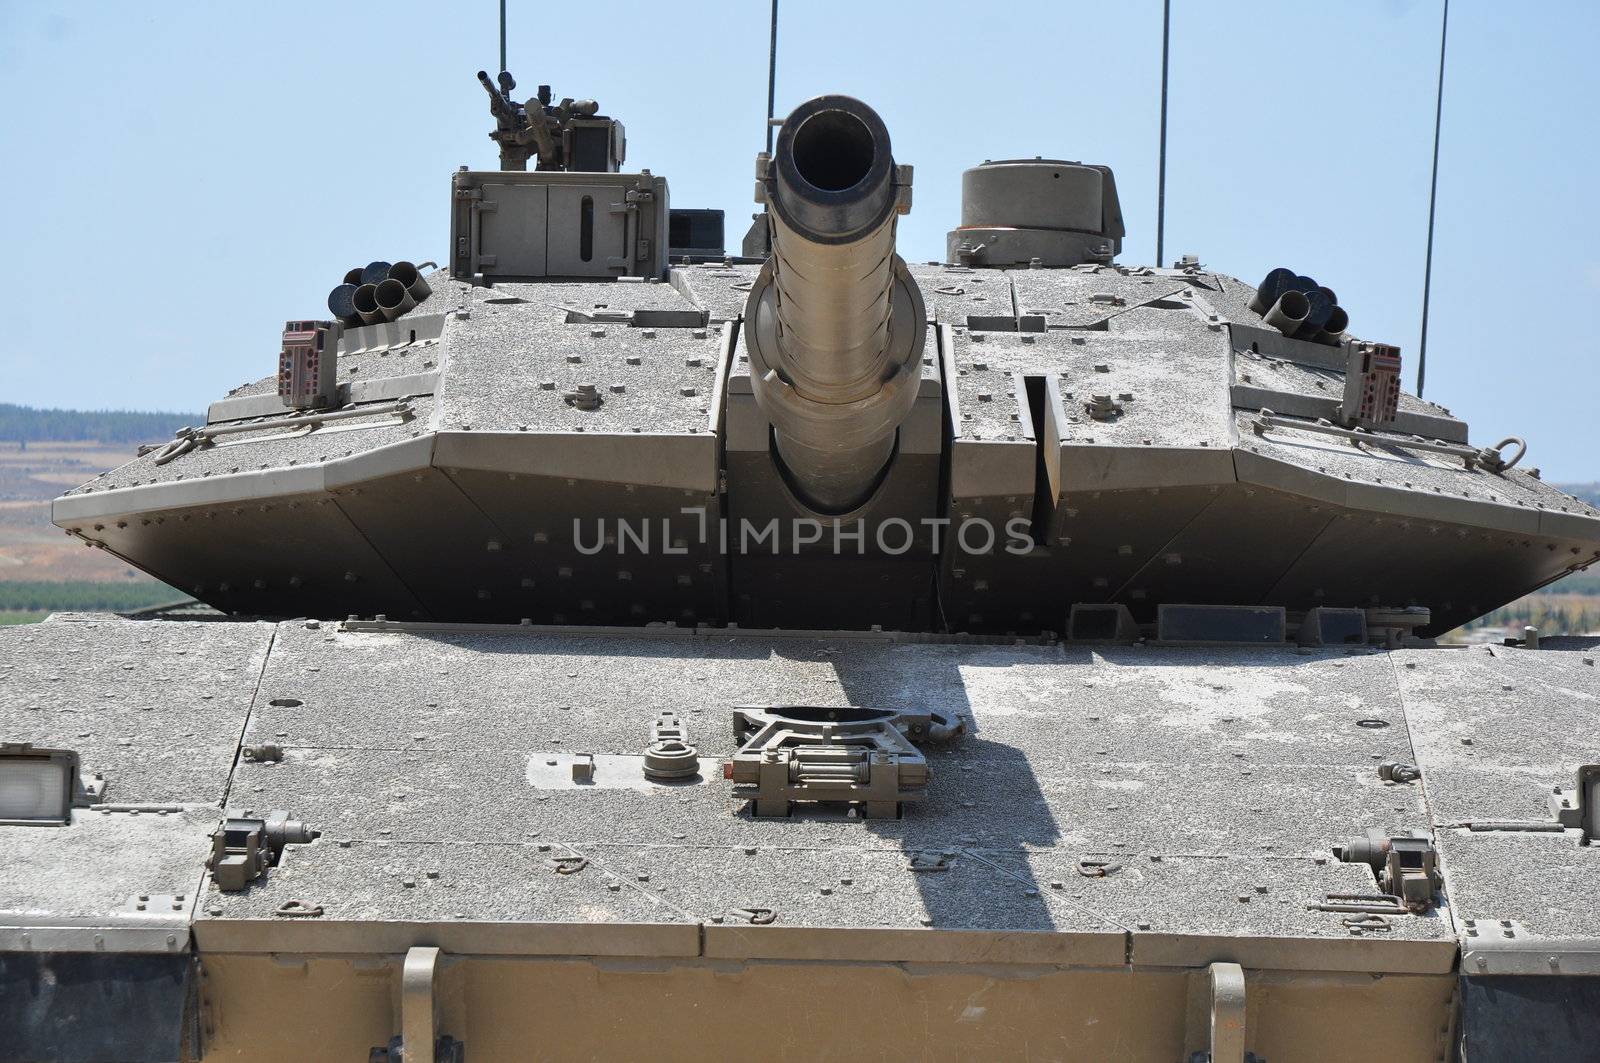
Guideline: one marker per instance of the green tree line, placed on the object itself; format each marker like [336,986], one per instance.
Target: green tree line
[25,424]
[1550,614]
[1577,583]
[83,596]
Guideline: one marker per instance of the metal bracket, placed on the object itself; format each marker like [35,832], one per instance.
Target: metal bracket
[419,1040]
[187,438]
[1487,458]
[1579,805]
[1225,1033]
[1227,1013]
[1361,903]
[419,1016]
[838,754]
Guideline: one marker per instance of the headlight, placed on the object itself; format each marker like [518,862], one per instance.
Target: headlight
[37,786]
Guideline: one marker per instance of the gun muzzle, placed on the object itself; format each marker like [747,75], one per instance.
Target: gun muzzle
[365,301]
[393,299]
[375,273]
[1272,286]
[834,324]
[1289,312]
[1321,308]
[342,304]
[1333,330]
[409,276]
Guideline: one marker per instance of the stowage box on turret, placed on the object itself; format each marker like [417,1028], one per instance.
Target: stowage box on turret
[1026,655]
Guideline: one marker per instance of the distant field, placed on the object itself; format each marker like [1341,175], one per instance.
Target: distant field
[25,602]
[33,549]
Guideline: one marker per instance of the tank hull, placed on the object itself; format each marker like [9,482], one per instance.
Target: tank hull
[1128,838]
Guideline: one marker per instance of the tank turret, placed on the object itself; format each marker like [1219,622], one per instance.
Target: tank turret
[836,320]
[592,415]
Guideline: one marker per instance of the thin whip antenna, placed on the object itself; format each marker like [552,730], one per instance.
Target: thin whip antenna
[1433,199]
[772,73]
[502,34]
[1161,181]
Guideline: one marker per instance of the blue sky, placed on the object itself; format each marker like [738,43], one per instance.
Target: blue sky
[182,177]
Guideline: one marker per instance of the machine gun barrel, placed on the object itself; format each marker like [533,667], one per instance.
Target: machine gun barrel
[836,323]
[500,106]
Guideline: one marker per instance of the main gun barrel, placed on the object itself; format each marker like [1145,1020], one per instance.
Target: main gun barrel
[835,322]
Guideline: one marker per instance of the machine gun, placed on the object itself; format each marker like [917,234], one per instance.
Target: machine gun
[563,137]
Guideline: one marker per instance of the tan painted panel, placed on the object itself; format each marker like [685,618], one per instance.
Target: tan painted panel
[257,1007]
[336,1008]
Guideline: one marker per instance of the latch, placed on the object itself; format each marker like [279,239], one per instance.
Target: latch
[629,210]
[242,848]
[1406,865]
[842,754]
[476,258]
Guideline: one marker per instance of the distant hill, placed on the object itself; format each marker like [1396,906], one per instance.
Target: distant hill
[24,424]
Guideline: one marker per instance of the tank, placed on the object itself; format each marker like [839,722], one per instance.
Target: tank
[608,638]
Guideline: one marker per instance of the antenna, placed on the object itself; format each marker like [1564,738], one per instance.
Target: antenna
[772,72]
[1161,181]
[1433,198]
[502,65]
